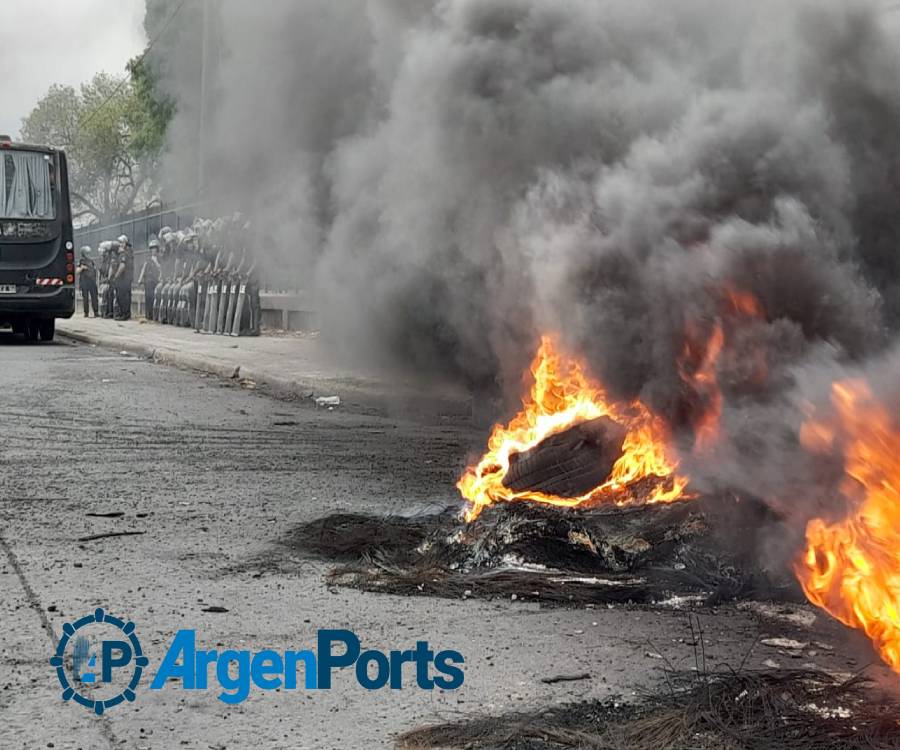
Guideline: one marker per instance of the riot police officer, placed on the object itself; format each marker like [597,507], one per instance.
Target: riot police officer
[124,279]
[87,282]
[149,278]
[111,299]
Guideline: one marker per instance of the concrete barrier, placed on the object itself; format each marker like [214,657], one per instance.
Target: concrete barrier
[284,311]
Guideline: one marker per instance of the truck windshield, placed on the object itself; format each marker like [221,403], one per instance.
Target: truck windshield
[26,185]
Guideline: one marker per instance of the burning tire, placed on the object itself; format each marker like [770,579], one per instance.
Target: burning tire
[570,463]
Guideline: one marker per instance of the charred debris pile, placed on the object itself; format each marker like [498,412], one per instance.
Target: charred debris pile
[701,551]
[562,537]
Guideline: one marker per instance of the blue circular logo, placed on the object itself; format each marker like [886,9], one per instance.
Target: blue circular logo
[118,654]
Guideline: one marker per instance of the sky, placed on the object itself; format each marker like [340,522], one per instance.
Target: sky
[43,42]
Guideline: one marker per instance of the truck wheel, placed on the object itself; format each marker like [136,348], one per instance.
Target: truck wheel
[32,331]
[47,329]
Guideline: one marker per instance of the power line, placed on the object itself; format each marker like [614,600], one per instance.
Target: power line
[93,113]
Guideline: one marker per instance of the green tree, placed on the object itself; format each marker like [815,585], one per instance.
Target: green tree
[149,112]
[113,131]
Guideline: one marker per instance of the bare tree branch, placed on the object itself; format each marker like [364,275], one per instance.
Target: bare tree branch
[90,207]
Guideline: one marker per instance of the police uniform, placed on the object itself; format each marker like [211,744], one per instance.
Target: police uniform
[111,301]
[103,277]
[87,282]
[187,294]
[255,302]
[150,276]
[124,279]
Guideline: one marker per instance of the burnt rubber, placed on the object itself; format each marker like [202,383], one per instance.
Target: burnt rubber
[570,463]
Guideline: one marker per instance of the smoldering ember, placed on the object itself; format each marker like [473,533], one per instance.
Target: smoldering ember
[450,373]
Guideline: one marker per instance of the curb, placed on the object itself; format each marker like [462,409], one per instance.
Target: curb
[141,350]
[193,362]
[160,356]
[280,387]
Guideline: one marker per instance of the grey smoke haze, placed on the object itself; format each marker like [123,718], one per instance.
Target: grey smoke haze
[454,178]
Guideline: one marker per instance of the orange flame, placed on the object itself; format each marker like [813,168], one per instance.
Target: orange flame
[743,307]
[851,568]
[705,384]
[743,303]
[562,396]
[699,361]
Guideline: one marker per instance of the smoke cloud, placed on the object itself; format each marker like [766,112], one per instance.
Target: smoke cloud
[453,178]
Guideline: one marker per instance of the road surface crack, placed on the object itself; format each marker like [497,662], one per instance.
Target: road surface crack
[35,603]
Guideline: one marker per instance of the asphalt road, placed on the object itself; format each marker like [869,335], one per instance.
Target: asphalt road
[212,475]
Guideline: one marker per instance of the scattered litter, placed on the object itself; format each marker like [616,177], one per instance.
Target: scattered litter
[106,380]
[94,537]
[678,602]
[795,615]
[330,401]
[565,678]
[786,643]
[250,385]
[771,664]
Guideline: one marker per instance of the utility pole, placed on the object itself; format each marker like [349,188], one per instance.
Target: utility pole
[201,130]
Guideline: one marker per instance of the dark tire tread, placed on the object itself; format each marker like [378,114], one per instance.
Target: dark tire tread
[570,463]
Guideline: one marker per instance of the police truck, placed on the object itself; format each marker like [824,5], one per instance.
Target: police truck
[37,254]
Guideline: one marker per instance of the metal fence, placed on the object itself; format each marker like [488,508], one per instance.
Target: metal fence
[143,226]
[140,227]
